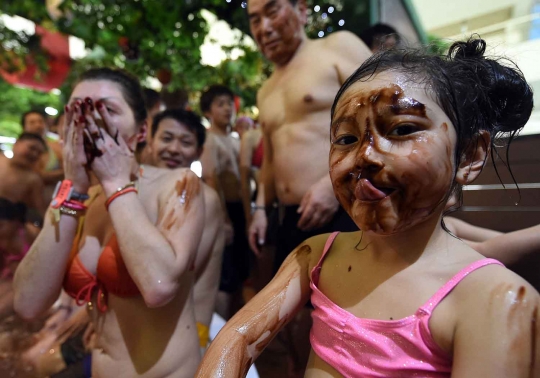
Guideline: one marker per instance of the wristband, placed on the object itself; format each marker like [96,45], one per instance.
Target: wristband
[119,193]
[255,207]
[64,192]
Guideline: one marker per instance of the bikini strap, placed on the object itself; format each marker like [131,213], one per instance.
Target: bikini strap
[317,268]
[430,305]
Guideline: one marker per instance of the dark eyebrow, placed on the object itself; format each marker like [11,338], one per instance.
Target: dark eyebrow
[340,120]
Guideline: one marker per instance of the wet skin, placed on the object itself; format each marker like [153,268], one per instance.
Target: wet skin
[391,154]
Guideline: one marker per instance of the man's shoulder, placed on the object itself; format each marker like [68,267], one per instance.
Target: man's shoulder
[341,39]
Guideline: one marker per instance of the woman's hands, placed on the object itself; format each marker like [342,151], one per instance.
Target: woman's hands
[92,141]
[113,158]
[73,150]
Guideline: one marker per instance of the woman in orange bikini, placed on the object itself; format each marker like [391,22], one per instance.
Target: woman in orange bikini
[126,246]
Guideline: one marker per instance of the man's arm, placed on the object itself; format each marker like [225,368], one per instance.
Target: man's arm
[265,195]
[350,53]
[246,155]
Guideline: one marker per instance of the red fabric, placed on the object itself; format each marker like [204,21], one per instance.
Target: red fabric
[59,62]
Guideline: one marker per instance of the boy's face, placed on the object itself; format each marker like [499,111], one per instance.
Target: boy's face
[28,152]
[174,145]
[221,111]
[35,123]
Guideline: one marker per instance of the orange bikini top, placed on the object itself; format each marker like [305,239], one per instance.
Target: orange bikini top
[111,276]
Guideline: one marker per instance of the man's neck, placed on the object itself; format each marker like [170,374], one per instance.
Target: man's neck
[303,42]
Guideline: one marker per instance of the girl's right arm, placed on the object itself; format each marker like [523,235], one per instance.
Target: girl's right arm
[246,335]
[39,276]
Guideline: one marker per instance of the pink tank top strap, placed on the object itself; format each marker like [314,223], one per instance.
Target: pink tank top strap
[327,246]
[452,283]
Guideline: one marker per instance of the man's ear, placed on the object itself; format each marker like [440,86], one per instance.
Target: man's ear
[141,136]
[199,152]
[301,6]
[472,161]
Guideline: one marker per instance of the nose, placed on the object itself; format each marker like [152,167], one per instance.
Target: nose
[266,25]
[174,148]
[369,159]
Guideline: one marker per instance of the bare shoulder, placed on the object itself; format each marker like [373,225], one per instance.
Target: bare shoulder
[343,41]
[180,181]
[312,249]
[494,290]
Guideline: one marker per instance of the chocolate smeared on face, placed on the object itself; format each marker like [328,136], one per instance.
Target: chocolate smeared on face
[390,164]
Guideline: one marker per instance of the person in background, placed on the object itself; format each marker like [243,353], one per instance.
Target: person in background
[57,122]
[294,105]
[153,104]
[20,184]
[220,170]
[50,166]
[251,157]
[242,125]
[380,37]
[509,248]
[177,141]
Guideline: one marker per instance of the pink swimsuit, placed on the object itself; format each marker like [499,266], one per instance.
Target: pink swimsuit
[358,347]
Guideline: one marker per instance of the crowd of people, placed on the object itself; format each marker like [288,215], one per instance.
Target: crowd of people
[330,206]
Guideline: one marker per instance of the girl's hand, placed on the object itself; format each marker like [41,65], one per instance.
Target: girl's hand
[73,150]
[113,159]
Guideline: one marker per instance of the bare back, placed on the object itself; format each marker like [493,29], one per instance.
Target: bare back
[220,165]
[295,108]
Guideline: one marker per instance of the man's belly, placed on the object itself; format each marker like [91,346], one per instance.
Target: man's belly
[296,170]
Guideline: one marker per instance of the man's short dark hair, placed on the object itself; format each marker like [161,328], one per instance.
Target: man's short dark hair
[187,118]
[151,98]
[371,34]
[33,111]
[31,136]
[210,95]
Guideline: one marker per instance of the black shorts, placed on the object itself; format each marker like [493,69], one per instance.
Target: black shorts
[289,236]
[236,257]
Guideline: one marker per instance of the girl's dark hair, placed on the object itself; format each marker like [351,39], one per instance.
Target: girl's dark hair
[129,84]
[476,93]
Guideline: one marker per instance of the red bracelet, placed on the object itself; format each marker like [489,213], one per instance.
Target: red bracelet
[74,205]
[118,194]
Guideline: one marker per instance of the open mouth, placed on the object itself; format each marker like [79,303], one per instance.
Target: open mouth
[366,191]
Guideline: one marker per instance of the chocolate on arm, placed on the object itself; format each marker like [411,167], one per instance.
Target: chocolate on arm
[246,335]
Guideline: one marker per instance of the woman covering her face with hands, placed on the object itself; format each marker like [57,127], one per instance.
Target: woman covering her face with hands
[119,238]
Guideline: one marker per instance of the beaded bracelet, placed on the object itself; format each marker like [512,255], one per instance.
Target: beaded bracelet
[119,193]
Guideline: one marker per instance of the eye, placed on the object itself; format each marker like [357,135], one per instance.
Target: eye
[345,140]
[166,139]
[404,129]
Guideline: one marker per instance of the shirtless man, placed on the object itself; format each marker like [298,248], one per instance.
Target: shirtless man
[50,164]
[19,183]
[177,139]
[294,105]
[221,172]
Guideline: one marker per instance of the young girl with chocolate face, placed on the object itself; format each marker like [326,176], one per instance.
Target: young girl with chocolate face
[403,297]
